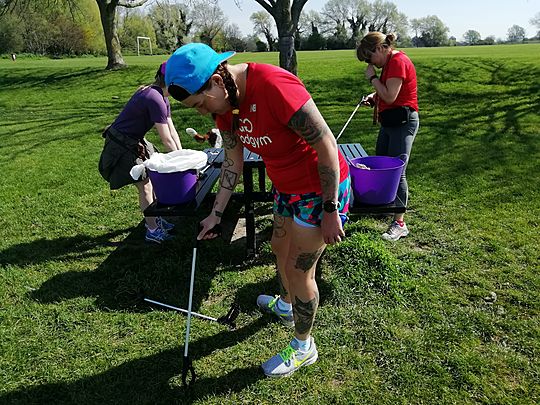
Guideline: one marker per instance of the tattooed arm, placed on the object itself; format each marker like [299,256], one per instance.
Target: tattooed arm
[308,123]
[230,173]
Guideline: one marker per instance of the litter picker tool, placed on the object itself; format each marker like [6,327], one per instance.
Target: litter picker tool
[362,100]
[188,372]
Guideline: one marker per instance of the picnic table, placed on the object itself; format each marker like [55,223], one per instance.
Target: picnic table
[253,163]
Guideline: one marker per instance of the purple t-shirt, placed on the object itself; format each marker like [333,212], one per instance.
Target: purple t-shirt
[145,108]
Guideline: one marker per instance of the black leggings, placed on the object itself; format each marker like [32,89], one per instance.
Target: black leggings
[396,141]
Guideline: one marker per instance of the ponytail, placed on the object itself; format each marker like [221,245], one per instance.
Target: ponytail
[232,91]
[390,39]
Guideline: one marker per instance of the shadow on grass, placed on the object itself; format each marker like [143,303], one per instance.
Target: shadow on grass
[151,380]
[134,269]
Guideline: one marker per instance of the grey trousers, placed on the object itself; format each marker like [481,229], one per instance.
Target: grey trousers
[396,141]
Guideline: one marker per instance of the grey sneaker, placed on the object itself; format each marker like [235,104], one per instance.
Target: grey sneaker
[289,360]
[157,236]
[395,231]
[268,304]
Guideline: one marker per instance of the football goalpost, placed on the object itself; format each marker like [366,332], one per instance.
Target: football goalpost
[139,44]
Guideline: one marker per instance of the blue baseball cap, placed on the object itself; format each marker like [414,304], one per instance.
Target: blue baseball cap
[191,65]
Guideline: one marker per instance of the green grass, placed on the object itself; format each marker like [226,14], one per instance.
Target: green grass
[398,323]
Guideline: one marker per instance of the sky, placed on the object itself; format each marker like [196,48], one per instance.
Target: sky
[488,17]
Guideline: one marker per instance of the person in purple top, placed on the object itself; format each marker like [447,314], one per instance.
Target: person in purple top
[126,146]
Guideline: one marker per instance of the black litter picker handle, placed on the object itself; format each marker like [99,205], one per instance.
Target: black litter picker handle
[230,318]
[187,368]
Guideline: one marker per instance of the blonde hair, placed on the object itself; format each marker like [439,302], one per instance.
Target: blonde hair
[371,40]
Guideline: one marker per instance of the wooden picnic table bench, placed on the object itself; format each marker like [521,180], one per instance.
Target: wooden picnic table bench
[206,182]
[254,163]
[207,178]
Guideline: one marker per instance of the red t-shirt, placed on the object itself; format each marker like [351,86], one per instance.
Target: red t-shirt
[401,66]
[273,95]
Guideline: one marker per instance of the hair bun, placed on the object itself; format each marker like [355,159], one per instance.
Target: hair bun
[390,38]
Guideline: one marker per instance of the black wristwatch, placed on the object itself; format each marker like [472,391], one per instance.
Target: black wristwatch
[331,206]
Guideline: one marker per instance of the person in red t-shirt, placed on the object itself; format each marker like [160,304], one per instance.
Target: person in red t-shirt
[269,111]
[396,102]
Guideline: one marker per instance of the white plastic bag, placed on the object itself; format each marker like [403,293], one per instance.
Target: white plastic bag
[172,162]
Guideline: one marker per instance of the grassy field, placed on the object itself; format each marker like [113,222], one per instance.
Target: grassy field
[449,315]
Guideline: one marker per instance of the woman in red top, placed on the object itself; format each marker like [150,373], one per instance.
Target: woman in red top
[396,100]
[269,111]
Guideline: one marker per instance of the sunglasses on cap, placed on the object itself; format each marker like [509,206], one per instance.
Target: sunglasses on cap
[177,92]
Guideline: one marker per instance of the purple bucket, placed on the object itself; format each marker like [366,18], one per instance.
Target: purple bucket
[174,188]
[378,185]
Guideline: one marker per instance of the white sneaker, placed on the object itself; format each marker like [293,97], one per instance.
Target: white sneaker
[289,360]
[395,231]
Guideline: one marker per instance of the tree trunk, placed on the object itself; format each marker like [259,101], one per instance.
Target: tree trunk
[270,40]
[287,54]
[286,28]
[286,17]
[107,11]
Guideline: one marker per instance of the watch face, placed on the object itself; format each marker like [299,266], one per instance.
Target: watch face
[330,206]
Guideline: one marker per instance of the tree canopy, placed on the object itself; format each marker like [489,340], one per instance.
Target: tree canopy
[72,27]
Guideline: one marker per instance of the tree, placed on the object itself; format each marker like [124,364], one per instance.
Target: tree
[472,37]
[133,24]
[315,41]
[516,34]
[66,38]
[308,25]
[339,39]
[286,15]
[170,23]
[107,12]
[433,32]
[489,40]
[208,20]
[385,17]
[352,12]
[53,30]
[232,39]
[264,25]
[536,22]
[11,34]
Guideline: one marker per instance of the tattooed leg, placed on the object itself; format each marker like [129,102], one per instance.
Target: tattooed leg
[280,246]
[304,315]
[306,248]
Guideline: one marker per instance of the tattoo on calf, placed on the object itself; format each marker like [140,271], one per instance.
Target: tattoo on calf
[305,261]
[304,314]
